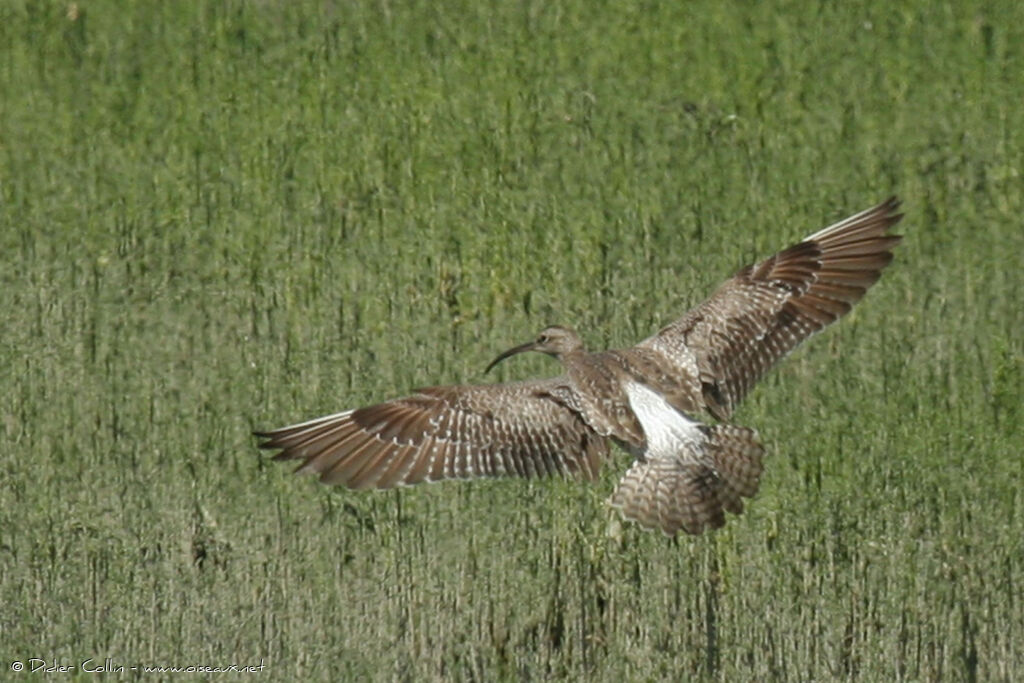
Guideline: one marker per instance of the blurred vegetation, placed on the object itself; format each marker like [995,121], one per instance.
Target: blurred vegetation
[218,216]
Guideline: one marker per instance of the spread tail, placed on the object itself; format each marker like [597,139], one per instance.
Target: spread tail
[692,489]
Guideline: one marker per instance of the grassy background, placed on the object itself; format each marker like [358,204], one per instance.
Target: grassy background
[218,216]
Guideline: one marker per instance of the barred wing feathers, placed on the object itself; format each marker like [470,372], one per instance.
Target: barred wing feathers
[767,309]
[450,432]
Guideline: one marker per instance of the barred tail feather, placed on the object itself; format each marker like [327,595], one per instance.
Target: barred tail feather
[691,490]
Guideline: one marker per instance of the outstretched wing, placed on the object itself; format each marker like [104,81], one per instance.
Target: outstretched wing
[453,432]
[765,310]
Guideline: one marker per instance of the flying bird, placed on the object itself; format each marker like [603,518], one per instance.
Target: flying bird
[651,399]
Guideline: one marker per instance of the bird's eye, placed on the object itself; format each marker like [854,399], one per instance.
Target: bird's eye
[542,339]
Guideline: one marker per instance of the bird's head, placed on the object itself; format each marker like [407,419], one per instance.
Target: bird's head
[555,341]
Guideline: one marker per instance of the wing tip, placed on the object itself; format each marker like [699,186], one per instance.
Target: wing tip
[877,221]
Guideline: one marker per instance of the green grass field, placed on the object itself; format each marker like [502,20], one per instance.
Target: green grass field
[223,216]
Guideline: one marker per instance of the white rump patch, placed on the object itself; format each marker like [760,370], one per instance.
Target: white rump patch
[668,432]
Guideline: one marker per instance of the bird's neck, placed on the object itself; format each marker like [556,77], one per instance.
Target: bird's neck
[570,358]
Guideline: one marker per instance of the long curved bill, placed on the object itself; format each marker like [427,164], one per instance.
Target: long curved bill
[528,346]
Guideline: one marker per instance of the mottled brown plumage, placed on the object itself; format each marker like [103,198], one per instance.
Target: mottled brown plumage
[686,474]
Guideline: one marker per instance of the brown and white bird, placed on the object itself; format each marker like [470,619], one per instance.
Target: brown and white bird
[646,398]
